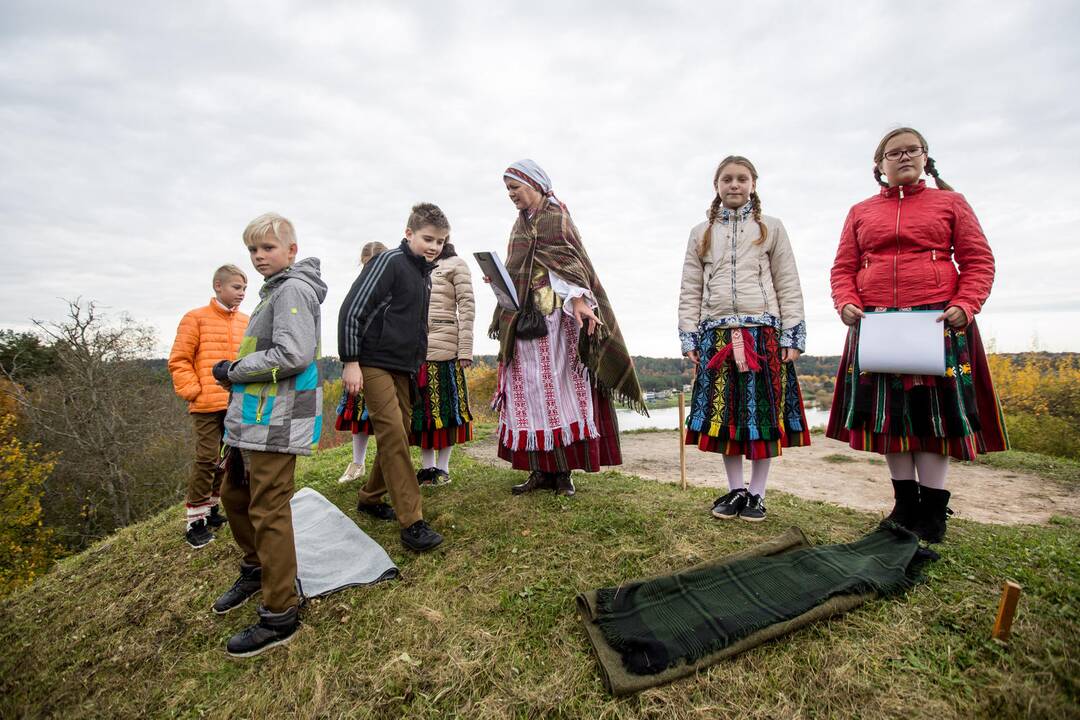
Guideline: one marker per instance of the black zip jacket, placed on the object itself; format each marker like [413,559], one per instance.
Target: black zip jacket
[383,321]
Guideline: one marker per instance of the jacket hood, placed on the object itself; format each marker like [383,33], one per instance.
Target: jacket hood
[448,251]
[306,270]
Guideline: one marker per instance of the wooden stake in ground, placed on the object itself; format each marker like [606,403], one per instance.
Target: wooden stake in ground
[1010,595]
[682,445]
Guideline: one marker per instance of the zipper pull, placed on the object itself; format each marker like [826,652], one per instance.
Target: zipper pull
[901,193]
[933,254]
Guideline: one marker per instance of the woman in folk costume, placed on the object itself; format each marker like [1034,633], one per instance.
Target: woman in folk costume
[352,412]
[562,359]
[442,417]
[741,322]
[911,247]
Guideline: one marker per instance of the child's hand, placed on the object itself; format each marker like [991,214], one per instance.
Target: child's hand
[582,313]
[464,363]
[352,379]
[790,354]
[693,356]
[850,314]
[221,373]
[954,316]
[487,279]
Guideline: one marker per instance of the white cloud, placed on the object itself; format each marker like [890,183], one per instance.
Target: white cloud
[142,138]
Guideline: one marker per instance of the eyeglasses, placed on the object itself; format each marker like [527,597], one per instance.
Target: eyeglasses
[910,152]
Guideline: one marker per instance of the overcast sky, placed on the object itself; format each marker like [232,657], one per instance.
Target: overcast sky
[140,138]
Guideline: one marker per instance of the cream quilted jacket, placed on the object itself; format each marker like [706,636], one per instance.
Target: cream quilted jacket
[451,311]
[741,282]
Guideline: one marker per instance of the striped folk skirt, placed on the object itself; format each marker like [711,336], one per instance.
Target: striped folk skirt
[753,413]
[441,417]
[956,415]
[551,418]
[352,415]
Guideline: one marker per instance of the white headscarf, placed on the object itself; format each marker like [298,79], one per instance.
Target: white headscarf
[527,171]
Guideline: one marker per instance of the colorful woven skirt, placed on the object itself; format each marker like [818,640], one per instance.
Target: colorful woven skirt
[442,417]
[753,413]
[957,415]
[352,415]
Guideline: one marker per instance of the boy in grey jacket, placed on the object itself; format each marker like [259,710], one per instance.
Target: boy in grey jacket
[274,414]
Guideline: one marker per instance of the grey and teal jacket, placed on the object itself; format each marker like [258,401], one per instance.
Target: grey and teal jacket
[276,401]
[383,322]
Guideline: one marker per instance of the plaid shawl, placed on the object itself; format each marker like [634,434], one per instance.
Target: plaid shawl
[558,248]
[656,624]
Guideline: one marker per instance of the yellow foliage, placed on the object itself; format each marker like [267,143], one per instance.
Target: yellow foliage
[27,548]
[482,379]
[1040,396]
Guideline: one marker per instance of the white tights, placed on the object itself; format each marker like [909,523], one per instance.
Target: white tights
[931,468]
[427,458]
[759,473]
[359,447]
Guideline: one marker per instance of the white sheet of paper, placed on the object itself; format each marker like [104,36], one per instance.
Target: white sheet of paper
[910,343]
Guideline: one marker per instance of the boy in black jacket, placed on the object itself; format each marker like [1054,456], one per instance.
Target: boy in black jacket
[382,340]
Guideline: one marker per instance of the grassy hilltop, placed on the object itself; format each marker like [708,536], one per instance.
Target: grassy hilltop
[486,627]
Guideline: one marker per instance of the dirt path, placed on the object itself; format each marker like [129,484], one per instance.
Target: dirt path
[832,472]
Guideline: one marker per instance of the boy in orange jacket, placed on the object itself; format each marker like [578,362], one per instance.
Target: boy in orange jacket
[207,335]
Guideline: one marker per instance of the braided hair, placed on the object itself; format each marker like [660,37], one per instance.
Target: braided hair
[716,206]
[931,167]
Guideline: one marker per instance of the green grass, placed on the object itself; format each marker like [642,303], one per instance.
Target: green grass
[1062,470]
[837,458]
[485,627]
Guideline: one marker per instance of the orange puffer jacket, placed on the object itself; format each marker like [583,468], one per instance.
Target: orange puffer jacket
[206,336]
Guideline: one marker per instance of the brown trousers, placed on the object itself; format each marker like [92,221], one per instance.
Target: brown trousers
[261,520]
[390,407]
[205,480]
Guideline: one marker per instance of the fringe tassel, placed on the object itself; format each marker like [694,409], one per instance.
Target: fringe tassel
[740,350]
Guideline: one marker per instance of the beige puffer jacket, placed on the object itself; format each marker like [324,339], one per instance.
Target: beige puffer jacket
[451,311]
[741,282]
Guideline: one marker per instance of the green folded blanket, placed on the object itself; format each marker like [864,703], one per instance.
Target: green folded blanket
[647,632]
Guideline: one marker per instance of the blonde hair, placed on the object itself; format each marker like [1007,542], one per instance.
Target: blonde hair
[931,168]
[714,209]
[225,272]
[370,250]
[273,225]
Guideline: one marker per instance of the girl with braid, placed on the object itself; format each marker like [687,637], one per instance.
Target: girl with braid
[741,322]
[911,247]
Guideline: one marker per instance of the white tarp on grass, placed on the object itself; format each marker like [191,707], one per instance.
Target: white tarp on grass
[331,551]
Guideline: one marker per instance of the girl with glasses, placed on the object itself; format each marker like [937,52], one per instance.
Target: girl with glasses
[916,248]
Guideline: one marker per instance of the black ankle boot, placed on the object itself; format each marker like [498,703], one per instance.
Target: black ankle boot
[564,485]
[933,510]
[249,583]
[905,512]
[272,629]
[536,481]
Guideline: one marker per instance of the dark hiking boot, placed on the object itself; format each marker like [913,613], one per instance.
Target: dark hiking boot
[564,485]
[906,508]
[536,481]
[379,510]
[933,511]
[216,519]
[273,629]
[246,586]
[198,535]
[425,477]
[754,509]
[728,506]
[420,537]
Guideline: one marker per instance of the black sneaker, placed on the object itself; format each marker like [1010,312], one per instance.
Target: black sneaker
[754,510]
[216,519]
[273,629]
[420,537]
[198,535]
[246,586]
[441,477]
[425,477]
[728,506]
[379,510]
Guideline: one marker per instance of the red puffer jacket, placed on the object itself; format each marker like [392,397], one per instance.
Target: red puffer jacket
[897,250]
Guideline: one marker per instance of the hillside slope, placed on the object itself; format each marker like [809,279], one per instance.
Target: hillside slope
[486,626]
